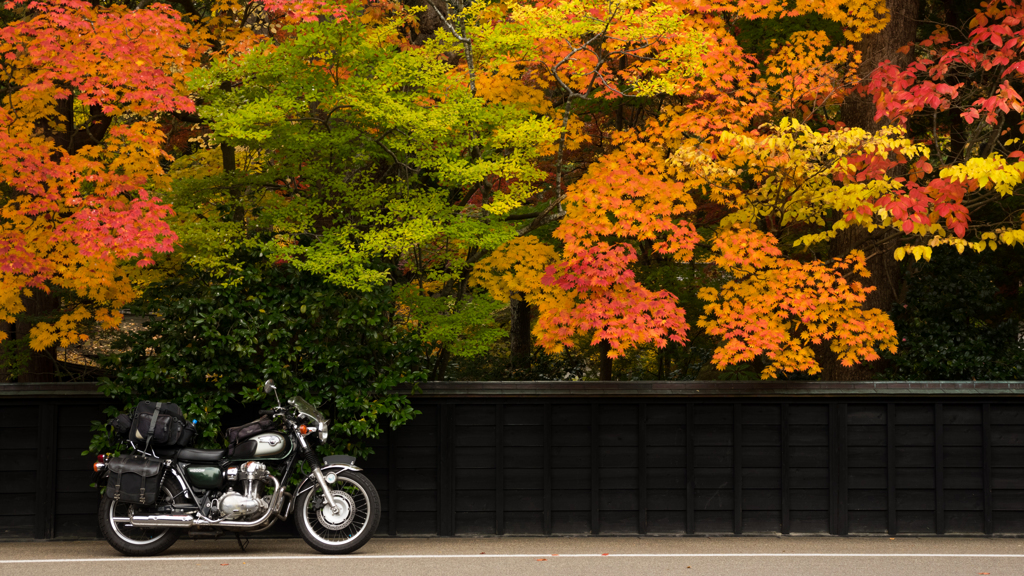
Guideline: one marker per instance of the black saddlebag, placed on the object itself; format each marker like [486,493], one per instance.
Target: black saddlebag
[134,479]
[160,424]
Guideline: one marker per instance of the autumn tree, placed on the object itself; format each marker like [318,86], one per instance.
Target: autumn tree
[81,162]
[798,184]
[639,194]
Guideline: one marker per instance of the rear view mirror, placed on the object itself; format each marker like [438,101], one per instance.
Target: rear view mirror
[269,387]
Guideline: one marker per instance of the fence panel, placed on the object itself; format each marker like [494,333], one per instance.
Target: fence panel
[631,464]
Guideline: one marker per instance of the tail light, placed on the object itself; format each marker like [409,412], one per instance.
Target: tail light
[101,462]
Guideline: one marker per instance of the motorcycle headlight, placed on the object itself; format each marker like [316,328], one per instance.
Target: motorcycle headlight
[322,430]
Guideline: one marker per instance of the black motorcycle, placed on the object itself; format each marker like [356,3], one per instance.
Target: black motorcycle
[161,489]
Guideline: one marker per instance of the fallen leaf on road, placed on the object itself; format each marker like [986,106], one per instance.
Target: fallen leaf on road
[982,572]
[542,559]
[604,554]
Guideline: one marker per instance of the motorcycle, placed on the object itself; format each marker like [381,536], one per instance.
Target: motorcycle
[242,489]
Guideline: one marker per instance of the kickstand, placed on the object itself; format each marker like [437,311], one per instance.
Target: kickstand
[242,545]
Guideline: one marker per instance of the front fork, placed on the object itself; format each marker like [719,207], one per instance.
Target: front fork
[314,463]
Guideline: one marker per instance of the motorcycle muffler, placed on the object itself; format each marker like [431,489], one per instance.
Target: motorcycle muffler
[160,521]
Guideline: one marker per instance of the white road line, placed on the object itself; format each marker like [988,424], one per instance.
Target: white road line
[243,558]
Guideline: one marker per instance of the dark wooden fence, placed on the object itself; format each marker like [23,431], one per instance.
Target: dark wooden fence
[626,458]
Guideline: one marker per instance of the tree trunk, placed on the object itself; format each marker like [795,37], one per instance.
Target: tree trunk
[440,365]
[606,362]
[429,21]
[859,111]
[41,365]
[8,329]
[520,342]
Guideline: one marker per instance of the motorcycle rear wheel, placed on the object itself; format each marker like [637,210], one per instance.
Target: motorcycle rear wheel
[131,540]
[346,530]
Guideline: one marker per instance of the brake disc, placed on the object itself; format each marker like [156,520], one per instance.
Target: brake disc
[345,514]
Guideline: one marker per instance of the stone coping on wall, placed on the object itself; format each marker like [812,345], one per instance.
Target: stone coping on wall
[628,388]
[47,389]
[717,388]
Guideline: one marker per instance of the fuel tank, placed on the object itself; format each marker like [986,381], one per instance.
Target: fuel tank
[270,445]
[265,446]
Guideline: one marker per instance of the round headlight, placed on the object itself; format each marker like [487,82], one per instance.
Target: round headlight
[322,428]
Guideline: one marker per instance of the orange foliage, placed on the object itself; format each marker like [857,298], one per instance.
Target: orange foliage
[780,309]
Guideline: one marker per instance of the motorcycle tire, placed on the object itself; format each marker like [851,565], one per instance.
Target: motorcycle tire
[130,540]
[346,530]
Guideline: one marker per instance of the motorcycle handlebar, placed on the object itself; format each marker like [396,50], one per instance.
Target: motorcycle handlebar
[267,412]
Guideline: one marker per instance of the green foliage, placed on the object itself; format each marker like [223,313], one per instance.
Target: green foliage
[961,319]
[365,151]
[572,364]
[465,327]
[14,356]
[212,341]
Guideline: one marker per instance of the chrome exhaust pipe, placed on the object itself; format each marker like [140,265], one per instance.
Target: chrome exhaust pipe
[189,521]
[160,521]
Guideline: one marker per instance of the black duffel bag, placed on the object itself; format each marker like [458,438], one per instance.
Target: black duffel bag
[134,479]
[122,425]
[238,446]
[160,424]
[240,433]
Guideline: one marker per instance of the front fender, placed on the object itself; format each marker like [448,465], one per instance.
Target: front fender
[337,462]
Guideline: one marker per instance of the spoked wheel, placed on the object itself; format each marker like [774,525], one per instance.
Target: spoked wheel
[341,530]
[134,540]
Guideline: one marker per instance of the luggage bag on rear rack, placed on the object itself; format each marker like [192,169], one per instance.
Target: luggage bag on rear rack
[159,424]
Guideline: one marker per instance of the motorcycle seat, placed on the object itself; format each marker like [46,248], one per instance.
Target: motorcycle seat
[192,454]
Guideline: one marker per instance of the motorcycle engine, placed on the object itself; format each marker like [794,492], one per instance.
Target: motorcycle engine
[252,501]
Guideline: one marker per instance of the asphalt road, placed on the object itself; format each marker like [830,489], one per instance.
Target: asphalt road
[690,556]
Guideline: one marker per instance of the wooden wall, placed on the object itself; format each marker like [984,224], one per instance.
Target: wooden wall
[44,478]
[708,466]
[624,465]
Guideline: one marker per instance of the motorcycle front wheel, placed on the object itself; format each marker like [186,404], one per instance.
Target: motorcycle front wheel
[133,540]
[343,530]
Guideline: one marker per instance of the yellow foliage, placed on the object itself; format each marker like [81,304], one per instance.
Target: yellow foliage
[515,270]
[798,176]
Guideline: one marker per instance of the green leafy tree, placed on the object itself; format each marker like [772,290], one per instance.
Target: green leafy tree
[961,319]
[336,145]
[213,340]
